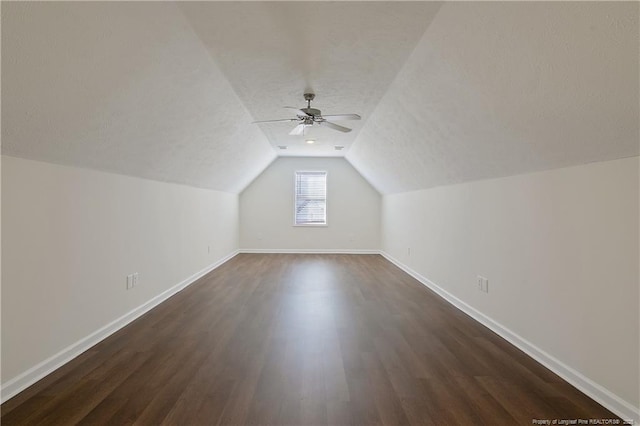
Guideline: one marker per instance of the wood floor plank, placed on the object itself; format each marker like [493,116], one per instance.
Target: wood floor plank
[302,340]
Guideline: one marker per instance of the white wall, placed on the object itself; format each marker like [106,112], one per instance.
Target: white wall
[560,250]
[353,209]
[69,238]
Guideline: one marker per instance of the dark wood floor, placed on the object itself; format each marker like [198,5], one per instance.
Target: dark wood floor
[302,339]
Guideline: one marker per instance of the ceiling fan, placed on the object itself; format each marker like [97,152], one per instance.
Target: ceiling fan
[308,116]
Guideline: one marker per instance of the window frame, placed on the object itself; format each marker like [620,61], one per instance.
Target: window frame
[326,199]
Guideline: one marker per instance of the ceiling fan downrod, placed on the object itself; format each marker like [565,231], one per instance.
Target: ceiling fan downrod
[309,97]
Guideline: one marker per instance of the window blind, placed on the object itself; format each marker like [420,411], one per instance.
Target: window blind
[311,198]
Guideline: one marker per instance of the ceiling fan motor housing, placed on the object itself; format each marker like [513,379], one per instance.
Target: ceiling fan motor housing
[311,111]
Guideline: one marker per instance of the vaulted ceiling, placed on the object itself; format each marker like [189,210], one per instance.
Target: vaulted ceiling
[448,92]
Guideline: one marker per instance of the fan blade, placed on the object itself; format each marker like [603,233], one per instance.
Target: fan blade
[298,130]
[334,126]
[343,116]
[282,120]
[299,112]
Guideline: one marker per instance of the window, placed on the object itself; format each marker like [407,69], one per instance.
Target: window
[311,198]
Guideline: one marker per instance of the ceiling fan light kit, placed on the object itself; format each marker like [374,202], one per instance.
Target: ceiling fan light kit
[307,117]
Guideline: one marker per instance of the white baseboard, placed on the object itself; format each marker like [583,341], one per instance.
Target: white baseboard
[312,251]
[24,380]
[598,393]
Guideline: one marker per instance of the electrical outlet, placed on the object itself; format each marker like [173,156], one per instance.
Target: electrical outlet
[135,280]
[409,251]
[129,282]
[483,284]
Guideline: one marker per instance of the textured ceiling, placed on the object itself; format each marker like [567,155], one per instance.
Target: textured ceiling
[448,92]
[346,52]
[502,88]
[123,87]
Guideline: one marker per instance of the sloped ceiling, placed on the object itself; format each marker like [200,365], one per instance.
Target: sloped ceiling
[448,92]
[502,88]
[346,52]
[125,87]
